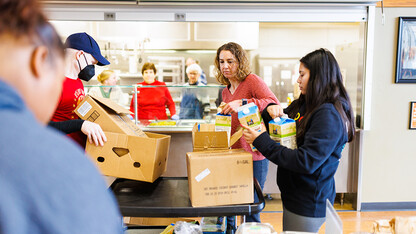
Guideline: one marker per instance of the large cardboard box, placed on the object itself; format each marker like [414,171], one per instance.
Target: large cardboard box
[221,177]
[204,137]
[129,152]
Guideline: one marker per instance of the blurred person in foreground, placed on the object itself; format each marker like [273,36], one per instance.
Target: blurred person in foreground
[47,183]
[152,101]
[233,70]
[82,53]
[324,124]
[109,88]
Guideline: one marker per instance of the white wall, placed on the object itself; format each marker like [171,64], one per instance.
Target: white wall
[389,147]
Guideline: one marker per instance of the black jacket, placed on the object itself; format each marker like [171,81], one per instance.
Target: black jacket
[305,175]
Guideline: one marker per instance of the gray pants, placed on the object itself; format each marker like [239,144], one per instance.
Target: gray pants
[294,222]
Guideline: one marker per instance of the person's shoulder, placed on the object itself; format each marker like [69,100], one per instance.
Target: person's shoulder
[253,78]
[327,112]
[160,83]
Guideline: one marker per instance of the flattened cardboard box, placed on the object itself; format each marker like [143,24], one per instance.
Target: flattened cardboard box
[204,137]
[129,152]
[221,177]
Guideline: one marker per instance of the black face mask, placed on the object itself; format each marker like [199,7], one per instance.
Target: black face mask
[87,72]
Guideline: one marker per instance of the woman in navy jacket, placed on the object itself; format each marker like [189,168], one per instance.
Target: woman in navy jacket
[325,123]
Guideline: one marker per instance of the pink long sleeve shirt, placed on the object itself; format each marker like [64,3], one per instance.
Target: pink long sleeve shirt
[254,90]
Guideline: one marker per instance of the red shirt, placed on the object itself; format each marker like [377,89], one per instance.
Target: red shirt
[72,94]
[254,90]
[152,102]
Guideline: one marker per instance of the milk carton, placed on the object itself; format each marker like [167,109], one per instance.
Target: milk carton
[223,123]
[249,115]
[283,131]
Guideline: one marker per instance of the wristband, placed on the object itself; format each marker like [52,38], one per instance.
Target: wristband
[244,101]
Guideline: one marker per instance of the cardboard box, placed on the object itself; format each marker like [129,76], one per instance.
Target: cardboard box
[131,157]
[221,177]
[204,137]
[129,152]
[109,115]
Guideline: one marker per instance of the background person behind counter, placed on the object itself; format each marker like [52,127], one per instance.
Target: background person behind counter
[48,185]
[193,101]
[202,76]
[152,101]
[82,52]
[109,78]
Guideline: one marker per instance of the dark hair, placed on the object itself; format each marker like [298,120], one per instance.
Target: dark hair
[324,86]
[148,66]
[243,63]
[24,19]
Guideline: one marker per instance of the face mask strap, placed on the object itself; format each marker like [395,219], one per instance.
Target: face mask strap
[85,59]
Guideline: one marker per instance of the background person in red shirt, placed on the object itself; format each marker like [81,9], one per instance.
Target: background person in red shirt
[82,53]
[152,101]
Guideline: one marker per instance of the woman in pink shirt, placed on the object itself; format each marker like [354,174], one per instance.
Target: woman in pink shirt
[233,70]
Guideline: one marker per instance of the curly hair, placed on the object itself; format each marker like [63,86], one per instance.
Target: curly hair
[25,20]
[243,63]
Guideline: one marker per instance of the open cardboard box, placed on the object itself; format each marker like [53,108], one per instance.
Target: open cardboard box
[129,152]
[204,137]
[220,177]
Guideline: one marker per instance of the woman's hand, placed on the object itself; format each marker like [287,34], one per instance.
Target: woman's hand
[250,135]
[275,111]
[232,107]
[94,133]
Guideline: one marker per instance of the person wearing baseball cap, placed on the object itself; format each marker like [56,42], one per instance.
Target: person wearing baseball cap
[82,53]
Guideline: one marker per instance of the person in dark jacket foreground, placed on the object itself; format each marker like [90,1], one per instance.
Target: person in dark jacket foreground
[324,122]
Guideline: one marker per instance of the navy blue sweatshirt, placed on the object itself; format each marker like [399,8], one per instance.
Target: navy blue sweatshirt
[305,175]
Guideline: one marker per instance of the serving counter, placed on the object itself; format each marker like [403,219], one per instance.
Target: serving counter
[181,143]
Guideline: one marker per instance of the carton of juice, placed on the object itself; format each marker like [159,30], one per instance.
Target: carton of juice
[283,131]
[249,115]
[223,123]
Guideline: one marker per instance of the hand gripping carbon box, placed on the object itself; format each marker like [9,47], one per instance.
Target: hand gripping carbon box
[221,177]
[129,152]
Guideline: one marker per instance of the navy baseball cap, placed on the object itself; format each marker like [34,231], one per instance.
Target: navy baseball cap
[84,42]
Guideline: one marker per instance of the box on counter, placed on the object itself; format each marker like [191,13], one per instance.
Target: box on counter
[221,177]
[249,115]
[204,137]
[129,152]
[283,131]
